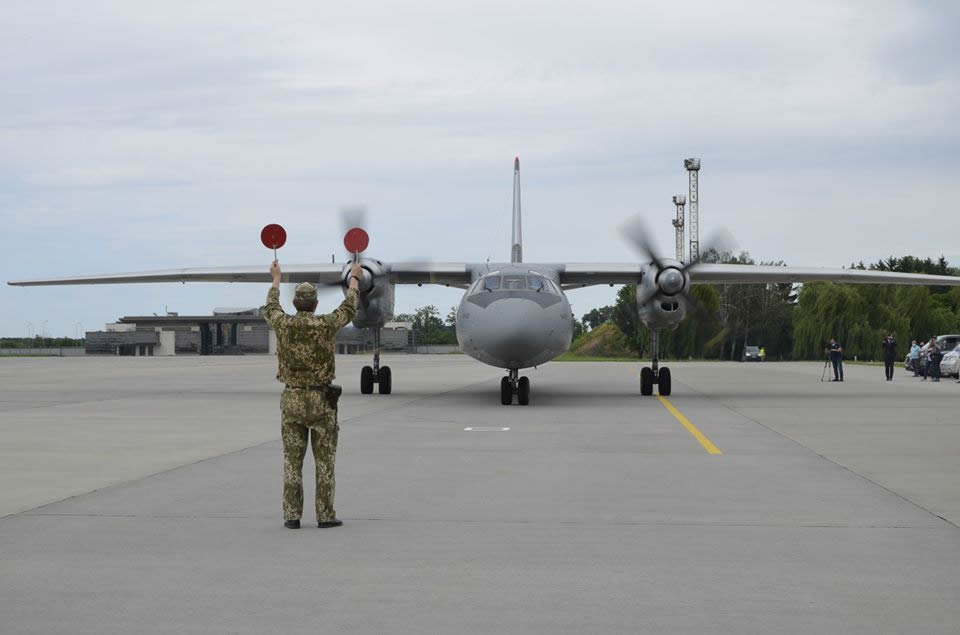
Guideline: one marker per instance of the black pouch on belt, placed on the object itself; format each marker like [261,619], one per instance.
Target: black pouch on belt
[333,395]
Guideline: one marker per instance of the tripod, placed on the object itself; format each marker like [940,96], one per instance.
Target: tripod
[826,363]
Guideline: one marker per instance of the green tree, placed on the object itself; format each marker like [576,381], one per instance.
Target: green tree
[596,317]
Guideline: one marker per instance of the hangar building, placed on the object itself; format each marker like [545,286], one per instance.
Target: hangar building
[228,331]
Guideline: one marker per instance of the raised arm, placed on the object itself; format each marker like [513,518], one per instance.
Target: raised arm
[273,312]
[348,308]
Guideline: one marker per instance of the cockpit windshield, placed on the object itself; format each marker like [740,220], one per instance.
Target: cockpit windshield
[491,283]
[514,282]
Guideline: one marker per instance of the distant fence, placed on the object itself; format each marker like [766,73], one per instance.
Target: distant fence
[439,349]
[74,351]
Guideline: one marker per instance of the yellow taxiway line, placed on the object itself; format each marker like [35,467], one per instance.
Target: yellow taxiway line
[692,429]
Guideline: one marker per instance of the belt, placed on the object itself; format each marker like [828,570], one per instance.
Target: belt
[317,388]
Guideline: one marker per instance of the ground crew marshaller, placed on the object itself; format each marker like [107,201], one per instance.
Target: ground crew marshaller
[308,406]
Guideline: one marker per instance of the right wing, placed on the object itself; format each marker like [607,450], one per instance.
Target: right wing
[326,274]
[453,274]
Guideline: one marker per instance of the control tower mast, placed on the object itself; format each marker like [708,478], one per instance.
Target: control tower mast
[679,200]
[693,170]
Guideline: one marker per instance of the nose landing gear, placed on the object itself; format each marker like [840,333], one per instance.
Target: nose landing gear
[377,374]
[655,375]
[512,385]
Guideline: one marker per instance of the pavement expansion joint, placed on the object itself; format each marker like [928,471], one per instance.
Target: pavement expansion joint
[501,522]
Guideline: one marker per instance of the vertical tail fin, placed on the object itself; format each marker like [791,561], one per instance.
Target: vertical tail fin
[516,246]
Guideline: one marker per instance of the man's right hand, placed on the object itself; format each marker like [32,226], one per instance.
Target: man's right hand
[356,274]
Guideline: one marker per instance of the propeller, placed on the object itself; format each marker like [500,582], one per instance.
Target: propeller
[671,277]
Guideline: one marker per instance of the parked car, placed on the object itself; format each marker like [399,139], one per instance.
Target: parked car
[950,364]
[752,354]
[947,342]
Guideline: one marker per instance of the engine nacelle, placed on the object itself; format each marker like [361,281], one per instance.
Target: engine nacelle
[376,294]
[666,290]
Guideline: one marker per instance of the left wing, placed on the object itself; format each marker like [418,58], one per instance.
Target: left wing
[585,274]
[705,273]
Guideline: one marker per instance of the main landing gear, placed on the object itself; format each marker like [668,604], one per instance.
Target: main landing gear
[512,385]
[377,374]
[655,374]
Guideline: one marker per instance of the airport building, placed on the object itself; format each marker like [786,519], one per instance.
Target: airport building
[228,331]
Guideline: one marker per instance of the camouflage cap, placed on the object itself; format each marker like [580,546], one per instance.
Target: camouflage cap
[305,291]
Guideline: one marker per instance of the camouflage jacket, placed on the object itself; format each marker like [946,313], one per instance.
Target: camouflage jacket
[306,342]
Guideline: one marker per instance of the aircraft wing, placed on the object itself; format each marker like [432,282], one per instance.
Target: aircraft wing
[450,274]
[705,273]
[328,273]
[586,274]
[574,275]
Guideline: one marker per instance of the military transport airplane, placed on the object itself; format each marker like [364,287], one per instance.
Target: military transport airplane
[515,315]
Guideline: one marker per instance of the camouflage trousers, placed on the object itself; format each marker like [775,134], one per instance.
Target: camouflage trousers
[306,414]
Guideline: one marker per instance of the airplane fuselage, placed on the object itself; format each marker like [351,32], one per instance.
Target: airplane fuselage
[514,316]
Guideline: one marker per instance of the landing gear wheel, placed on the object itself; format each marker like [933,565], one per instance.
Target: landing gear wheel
[366,380]
[385,385]
[506,392]
[664,384]
[523,391]
[646,381]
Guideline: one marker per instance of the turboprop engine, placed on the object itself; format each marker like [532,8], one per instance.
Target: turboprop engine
[662,295]
[376,294]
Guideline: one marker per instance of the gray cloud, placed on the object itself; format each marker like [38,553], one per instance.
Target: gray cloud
[136,137]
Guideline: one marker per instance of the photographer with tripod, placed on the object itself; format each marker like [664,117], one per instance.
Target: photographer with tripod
[836,359]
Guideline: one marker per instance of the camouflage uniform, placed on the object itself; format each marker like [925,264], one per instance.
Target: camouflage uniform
[305,356]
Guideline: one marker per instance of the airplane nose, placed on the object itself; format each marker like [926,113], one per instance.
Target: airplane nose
[512,332]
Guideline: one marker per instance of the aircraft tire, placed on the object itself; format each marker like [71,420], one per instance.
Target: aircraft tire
[523,391]
[385,385]
[664,385]
[646,381]
[366,380]
[506,392]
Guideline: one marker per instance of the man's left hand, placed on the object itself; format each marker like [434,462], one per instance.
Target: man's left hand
[275,272]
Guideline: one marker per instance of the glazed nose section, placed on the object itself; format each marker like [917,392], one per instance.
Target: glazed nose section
[513,333]
[671,281]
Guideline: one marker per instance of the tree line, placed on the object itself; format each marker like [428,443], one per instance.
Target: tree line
[40,342]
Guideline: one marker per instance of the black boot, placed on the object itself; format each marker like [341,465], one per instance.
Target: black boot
[292,524]
[326,524]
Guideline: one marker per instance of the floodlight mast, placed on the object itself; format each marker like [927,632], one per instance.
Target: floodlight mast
[679,200]
[692,166]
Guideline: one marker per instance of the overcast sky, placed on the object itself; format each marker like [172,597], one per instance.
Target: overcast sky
[138,136]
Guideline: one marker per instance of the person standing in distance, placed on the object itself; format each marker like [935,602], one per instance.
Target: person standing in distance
[889,354]
[836,358]
[915,357]
[933,362]
[308,405]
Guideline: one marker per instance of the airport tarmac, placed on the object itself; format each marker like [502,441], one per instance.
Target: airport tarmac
[143,495]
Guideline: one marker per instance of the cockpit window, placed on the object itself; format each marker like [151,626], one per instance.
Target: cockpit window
[491,283]
[514,283]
